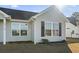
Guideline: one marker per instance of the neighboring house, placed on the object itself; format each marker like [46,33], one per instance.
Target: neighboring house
[16,25]
[72,28]
[72,31]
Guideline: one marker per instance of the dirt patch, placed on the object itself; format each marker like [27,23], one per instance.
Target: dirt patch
[38,48]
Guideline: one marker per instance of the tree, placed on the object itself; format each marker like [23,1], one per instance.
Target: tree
[75,14]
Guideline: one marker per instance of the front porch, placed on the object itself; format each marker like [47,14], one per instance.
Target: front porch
[3,18]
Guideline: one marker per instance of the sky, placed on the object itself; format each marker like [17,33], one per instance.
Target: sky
[67,10]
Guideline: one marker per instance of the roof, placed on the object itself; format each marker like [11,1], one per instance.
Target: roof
[18,14]
[72,20]
[55,9]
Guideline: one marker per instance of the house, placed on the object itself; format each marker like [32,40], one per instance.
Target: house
[17,25]
[72,28]
[72,31]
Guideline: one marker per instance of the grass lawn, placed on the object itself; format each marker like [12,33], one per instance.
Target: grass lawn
[29,47]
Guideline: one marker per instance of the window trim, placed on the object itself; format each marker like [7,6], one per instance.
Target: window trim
[45,29]
[12,29]
[52,28]
[19,29]
[55,29]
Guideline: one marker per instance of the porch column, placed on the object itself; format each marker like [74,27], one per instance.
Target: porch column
[4,31]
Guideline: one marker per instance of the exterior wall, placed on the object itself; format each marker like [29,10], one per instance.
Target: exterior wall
[52,16]
[69,28]
[11,38]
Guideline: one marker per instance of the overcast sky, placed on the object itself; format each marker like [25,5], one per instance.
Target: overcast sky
[67,10]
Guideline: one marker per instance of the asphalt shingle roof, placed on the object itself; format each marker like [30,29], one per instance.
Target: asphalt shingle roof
[18,14]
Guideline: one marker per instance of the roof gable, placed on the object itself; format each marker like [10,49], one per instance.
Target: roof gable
[52,9]
[18,14]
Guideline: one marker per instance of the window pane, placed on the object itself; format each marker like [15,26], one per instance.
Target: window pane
[56,26]
[15,28]
[19,28]
[23,32]
[47,32]
[15,32]
[55,29]
[55,32]
[23,29]
[48,28]
[24,26]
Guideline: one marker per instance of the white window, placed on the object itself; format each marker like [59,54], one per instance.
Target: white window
[47,29]
[55,29]
[51,29]
[19,29]
[23,29]
[15,29]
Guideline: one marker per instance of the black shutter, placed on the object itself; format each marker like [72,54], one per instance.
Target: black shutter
[42,28]
[60,29]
